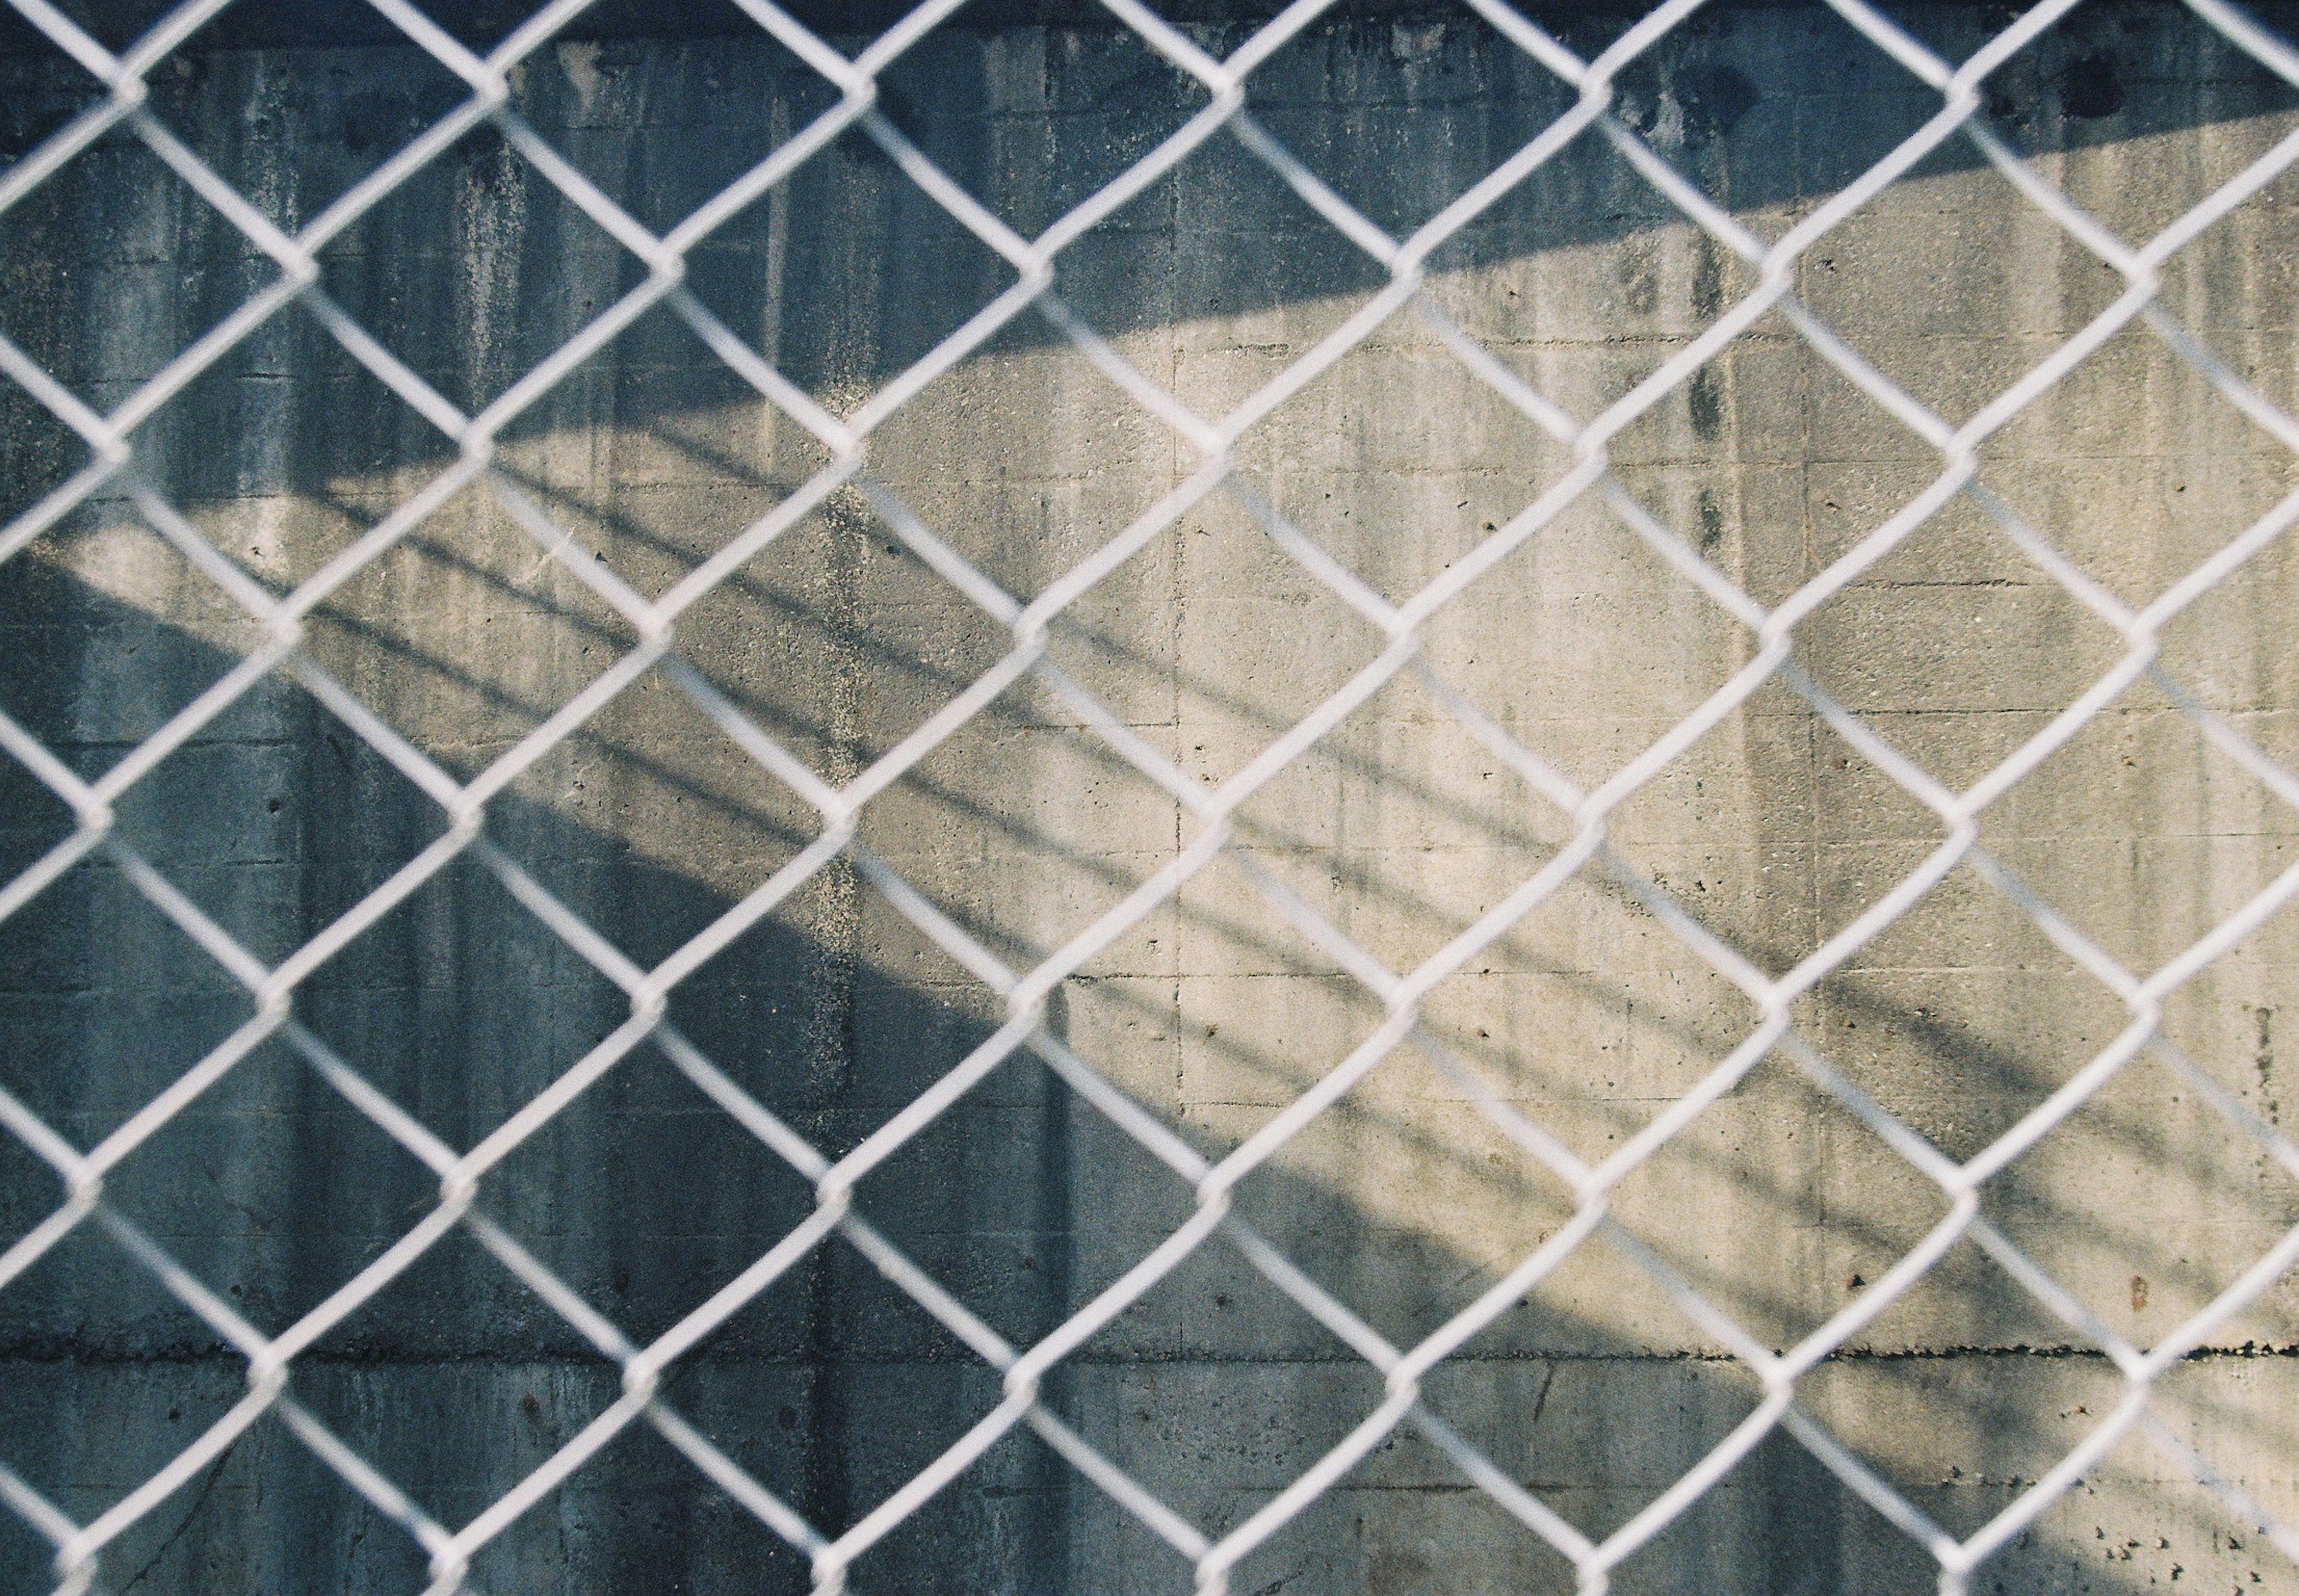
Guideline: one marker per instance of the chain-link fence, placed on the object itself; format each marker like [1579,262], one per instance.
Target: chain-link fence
[1175,751]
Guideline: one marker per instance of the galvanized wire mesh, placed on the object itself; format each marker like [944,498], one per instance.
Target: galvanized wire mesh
[300,288]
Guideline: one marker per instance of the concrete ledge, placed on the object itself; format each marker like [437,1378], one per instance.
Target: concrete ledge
[480,22]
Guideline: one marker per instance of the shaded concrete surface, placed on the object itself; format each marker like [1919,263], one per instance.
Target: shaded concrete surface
[1595,1391]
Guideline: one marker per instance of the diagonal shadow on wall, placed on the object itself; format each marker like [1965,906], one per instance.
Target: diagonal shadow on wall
[646,1197]
[476,269]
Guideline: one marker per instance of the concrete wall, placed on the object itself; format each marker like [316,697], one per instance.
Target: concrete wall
[1403,1201]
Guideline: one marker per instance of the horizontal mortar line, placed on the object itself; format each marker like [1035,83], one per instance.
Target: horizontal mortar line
[546,1358]
[1886,712]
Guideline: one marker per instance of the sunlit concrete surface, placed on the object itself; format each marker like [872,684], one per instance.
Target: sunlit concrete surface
[1596,1393]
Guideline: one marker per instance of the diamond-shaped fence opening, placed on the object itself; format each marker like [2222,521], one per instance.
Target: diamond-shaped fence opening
[1120,797]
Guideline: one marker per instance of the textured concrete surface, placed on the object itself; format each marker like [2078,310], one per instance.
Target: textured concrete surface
[1215,1391]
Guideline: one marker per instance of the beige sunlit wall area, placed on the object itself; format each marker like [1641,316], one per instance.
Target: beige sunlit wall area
[1600,906]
